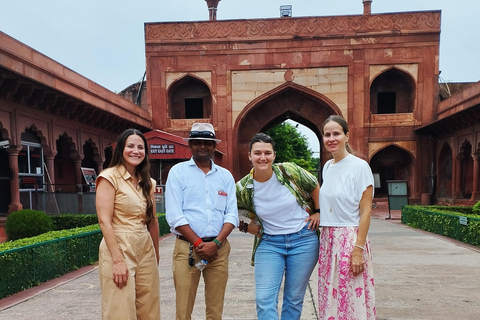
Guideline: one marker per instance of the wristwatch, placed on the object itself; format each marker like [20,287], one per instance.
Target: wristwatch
[218,243]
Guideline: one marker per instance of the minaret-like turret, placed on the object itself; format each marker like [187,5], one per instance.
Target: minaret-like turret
[367,7]
[212,9]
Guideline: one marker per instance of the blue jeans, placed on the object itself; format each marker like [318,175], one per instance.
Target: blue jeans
[294,254]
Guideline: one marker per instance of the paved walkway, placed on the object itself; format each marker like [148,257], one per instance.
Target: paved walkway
[418,276]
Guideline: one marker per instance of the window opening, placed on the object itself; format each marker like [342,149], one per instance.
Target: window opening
[30,166]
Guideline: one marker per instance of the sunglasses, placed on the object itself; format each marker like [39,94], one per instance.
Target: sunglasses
[202,134]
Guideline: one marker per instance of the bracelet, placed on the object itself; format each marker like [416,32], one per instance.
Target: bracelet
[316,211]
[363,248]
[216,241]
[197,242]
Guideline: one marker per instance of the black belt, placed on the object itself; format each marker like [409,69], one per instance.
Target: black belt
[206,239]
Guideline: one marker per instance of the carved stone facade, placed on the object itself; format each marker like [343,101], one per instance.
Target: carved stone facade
[378,71]
[53,122]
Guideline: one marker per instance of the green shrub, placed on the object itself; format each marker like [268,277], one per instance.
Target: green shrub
[27,223]
[476,208]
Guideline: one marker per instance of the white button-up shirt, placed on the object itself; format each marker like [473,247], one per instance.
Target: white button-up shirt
[203,201]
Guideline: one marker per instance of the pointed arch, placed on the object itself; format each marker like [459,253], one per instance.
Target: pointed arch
[288,101]
[91,155]
[392,91]
[445,172]
[466,169]
[412,156]
[189,97]
[6,172]
[40,135]
[392,162]
[408,73]
[3,132]
[64,163]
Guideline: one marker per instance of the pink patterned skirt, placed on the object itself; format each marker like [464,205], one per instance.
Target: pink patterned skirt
[341,296]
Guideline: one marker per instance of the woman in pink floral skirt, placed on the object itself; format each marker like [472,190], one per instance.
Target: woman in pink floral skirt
[345,272]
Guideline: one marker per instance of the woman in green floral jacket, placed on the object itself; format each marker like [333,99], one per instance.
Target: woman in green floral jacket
[282,202]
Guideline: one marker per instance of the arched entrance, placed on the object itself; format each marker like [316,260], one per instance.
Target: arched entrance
[392,163]
[393,91]
[289,101]
[5,172]
[92,161]
[189,98]
[466,170]
[65,165]
[31,169]
[5,176]
[445,166]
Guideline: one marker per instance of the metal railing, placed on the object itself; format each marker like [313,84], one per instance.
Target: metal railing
[70,202]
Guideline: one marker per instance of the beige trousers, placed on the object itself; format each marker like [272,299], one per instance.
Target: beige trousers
[140,298]
[186,279]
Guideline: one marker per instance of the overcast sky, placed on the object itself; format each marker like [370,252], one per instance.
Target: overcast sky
[103,40]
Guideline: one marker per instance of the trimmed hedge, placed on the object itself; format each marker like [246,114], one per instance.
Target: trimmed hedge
[28,262]
[70,221]
[455,209]
[443,222]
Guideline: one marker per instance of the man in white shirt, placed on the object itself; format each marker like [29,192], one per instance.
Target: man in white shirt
[201,209]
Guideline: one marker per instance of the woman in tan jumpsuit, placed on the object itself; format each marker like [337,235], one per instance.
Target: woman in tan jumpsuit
[128,258]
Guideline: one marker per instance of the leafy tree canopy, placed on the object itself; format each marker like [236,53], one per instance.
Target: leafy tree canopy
[292,146]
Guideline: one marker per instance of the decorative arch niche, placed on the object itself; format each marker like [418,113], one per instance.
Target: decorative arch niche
[5,171]
[189,98]
[445,172]
[392,163]
[392,91]
[466,170]
[289,101]
[64,163]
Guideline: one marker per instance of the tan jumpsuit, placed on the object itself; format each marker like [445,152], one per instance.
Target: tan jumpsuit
[140,298]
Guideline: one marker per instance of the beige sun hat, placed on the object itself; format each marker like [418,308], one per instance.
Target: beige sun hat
[202,131]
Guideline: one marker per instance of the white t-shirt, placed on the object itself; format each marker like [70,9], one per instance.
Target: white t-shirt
[277,207]
[343,185]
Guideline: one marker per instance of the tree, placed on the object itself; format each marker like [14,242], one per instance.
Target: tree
[292,146]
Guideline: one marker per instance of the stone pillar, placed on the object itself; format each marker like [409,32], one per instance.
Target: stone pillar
[78,182]
[78,174]
[476,171]
[458,178]
[15,204]
[50,174]
[100,166]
